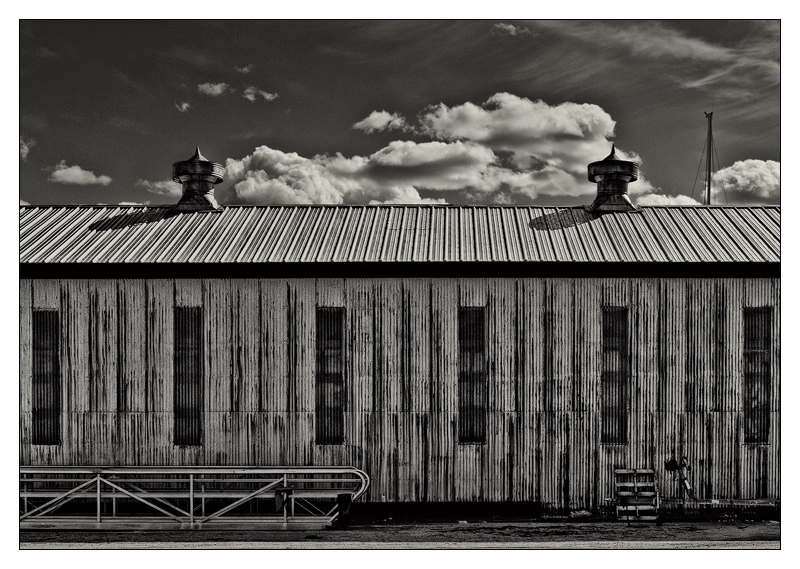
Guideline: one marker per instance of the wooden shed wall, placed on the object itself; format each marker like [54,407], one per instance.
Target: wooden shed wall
[401,426]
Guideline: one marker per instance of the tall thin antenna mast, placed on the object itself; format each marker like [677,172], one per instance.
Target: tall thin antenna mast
[709,143]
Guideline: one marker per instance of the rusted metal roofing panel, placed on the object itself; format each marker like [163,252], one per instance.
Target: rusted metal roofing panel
[635,246]
[406,235]
[482,239]
[731,239]
[259,234]
[541,234]
[666,244]
[268,228]
[643,238]
[339,234]
[611,239]
[571,245]
[762,227]
[691,245]
[511,231]
[422,248]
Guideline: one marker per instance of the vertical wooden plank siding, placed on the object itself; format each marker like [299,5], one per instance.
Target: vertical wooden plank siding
[571,388]
[132,333]
[25,368]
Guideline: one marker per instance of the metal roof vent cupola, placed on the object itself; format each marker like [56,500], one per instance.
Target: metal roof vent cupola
[197,176]
[612,176]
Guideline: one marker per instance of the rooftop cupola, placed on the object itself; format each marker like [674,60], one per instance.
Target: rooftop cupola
[612,176]
[197,176]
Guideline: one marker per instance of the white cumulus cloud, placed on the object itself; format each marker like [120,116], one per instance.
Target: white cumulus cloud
[442,166]
[161,187]
[511,29]
[25,146]
[252,93]
[380,120]
[183,107]
[555,143]
[394,174]
[246,69]
[568,135]
[63,174]
[663,199]
[213,89]
[748,182]
[507,150]
[270,176]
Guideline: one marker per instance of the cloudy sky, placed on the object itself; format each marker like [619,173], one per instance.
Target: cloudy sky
[481,112]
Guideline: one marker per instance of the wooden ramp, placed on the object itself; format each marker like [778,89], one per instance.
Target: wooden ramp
[187,497]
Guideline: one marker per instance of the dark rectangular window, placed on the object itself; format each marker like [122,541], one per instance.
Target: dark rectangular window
[548,354]
[614,376]
[188,395]
[757,388]
[46,397]
[472,382]
[329,429]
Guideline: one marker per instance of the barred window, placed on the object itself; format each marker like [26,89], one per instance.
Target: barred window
[614,377]
[188,393]
[46,396]
[329,407]
[472,381]
[757,384]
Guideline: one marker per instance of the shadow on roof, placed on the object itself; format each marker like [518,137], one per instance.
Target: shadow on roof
[562,219]
[146,215]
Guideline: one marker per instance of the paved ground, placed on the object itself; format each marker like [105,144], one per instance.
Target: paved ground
[448,535]
[415,545]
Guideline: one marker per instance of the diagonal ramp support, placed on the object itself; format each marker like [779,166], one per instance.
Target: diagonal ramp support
[242,500]
[140,499]
[58,500]
[170,497]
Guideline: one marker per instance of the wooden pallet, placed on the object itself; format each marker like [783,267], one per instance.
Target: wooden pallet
[637,494]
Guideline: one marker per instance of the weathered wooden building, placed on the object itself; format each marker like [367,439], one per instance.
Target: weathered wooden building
[453,353]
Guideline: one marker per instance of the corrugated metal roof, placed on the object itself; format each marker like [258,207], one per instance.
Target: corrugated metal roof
[277,234]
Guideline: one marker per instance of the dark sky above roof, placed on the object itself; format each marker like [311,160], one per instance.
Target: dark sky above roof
[396,111]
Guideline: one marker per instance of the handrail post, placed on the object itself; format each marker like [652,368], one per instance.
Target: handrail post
[98,498]
[191,499]
[285,521]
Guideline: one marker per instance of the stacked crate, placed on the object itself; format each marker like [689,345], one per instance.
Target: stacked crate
[637,494]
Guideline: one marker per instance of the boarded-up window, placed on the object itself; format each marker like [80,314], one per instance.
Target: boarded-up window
[614,376]
[188,395]
[757,389]
[330,376]
[46,397]
[472,383]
